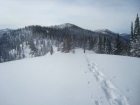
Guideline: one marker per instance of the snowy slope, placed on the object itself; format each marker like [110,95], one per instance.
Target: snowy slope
[71,79]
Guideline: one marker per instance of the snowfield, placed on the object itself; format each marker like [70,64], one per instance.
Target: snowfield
[71,79]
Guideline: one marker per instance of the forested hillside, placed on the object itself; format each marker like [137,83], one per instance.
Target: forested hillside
[38,41]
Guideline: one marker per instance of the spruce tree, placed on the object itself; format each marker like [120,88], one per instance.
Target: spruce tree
[117,47]
[98,47]
[107,48]
[51,50]
[84,46]
[131,36]
[135,51]
[91,43]
[104,42]
[136,28]
[73,45]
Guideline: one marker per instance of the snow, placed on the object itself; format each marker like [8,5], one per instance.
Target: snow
[2,31]
[104,31]
[47,31]
[26,51]
[123,72]
[112,94]
[62,26]
[71,79]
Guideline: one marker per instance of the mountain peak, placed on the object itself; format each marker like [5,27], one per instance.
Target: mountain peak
[62,26]
[105,31]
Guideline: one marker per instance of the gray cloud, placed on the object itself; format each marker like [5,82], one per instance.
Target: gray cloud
[89,14]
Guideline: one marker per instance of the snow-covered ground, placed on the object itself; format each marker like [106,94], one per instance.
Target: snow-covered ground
[71,79]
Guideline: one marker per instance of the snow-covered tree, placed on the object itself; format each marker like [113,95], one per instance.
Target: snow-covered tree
[98,46]
[117,46]
[131,36]
[51,50]
[135,43]
[73,45]
[107,46]
[84,44]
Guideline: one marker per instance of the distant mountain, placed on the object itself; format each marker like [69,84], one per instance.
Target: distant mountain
[127,36]
[66,26]
[124,36]
[62,26]
[2,31]
[105,31]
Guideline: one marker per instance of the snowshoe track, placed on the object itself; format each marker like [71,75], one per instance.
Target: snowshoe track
[112,94]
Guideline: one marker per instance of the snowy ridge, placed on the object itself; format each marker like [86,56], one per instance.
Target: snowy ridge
[2,31]
[5,30]
[111,92]
[62,26]
[105,31]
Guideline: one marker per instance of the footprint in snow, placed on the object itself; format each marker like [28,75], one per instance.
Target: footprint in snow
[89,82]
[101,97]
[129,90]
[128,98]
[114,77]
[102,102]
[96,102]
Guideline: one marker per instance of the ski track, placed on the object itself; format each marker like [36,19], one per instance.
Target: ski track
[112,94]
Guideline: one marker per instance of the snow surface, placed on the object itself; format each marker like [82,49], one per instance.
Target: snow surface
[71,79]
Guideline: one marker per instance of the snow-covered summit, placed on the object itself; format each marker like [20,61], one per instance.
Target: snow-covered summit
[4,30]
[104,31]
[62,26]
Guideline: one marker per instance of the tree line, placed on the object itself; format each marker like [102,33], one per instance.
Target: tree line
[42,40]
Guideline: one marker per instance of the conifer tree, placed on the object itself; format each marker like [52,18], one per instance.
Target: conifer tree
[73,45]
[131,36]
[136,28]
[91,43]
[51,50]
[67,43]
[104,42]
[64,45]
[107,46]
[135,45]
[84,44]
[117,47]
[98,47]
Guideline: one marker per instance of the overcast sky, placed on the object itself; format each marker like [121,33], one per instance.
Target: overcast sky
[115,15]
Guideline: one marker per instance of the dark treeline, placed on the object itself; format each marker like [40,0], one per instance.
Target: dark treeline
[42,40]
